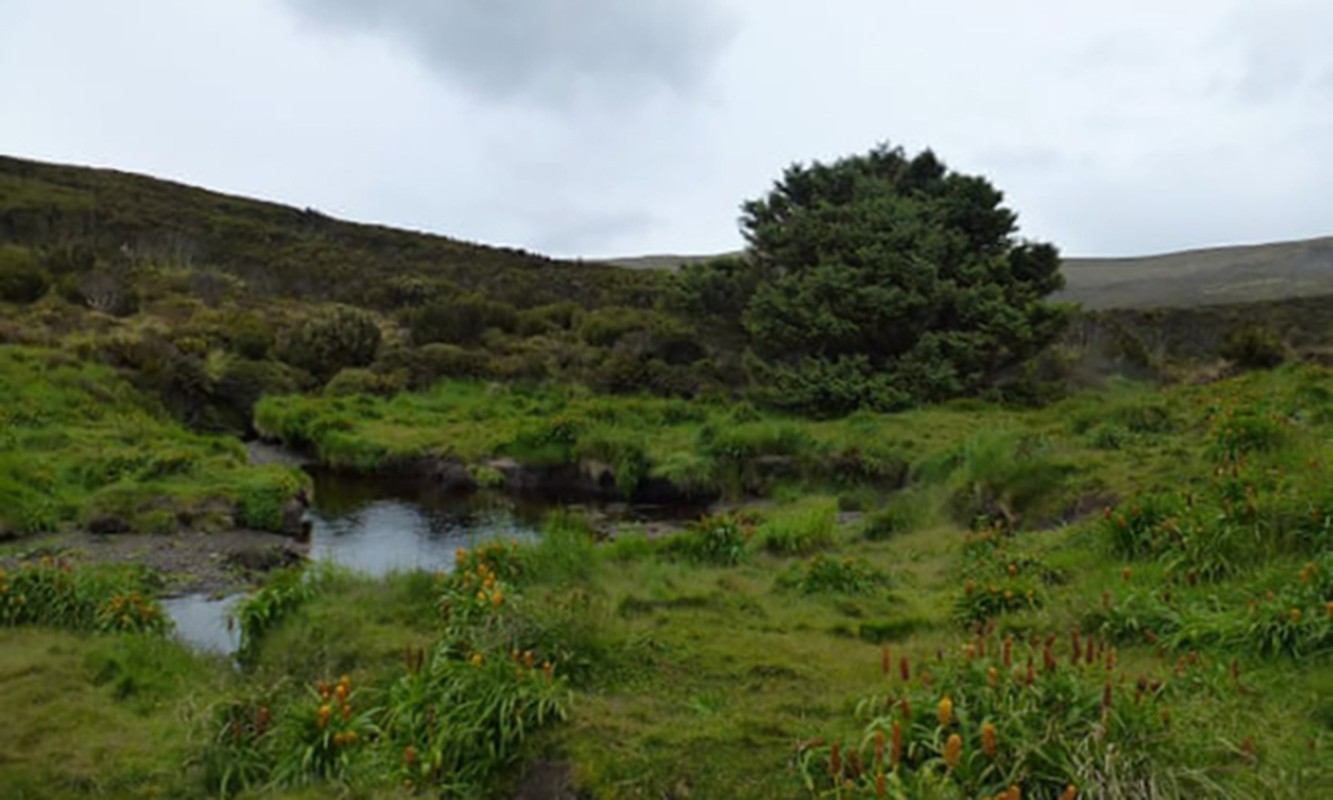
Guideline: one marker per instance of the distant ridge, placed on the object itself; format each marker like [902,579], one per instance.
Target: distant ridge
[1186,279]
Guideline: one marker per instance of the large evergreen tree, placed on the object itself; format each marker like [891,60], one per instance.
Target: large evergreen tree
[887,281]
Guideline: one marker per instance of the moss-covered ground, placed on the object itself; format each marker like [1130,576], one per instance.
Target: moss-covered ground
[1127,593]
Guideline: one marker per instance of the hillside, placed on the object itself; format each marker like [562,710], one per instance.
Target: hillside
[1206,277]
[103,213]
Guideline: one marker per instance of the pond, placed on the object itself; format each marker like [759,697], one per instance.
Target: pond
[377,526]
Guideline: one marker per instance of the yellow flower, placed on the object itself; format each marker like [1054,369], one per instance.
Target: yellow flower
[1295,615]
[953,750]
[497,599]
[945,710]
[988,739]
[476,659]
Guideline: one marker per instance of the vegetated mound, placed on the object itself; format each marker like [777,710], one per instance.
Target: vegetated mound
[1187,279]
[103,213]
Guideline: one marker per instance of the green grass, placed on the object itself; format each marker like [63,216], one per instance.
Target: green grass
[79,447]
[727,660]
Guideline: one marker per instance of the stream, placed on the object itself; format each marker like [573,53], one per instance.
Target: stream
[377,526]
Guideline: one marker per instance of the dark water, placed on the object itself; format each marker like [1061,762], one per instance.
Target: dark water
[378,525]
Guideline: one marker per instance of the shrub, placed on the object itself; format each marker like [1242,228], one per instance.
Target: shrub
[333,340]
[22,279]
[461,320]
[1254,347]
[721,540]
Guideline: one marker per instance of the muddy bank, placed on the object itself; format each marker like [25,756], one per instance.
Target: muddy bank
[187,562]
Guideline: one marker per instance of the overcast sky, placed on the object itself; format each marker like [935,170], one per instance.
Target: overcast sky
[615,127]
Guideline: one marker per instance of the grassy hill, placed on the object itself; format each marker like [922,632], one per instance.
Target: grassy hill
[111,215]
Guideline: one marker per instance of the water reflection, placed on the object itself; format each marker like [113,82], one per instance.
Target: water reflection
[202,622]
[377,526]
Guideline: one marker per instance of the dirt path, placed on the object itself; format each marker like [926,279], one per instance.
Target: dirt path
[188,562]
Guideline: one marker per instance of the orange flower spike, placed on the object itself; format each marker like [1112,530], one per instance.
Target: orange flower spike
[481,596]
[322,719]
[1295,615]
[497,599]
[409,755]
[346,712]
[1110,659]
[1008,652]
[895,744]
[944,711]
[835,760]
[1070,793]
[953,750]
[1106,696]
[546,670]
[992,677]
[885,661]
[1075,648]
[988,745]
[1014,793]
[1125,574]
[904,669]
[528,659]
[1047,660]
[879,748]
[880,789]
[340,693]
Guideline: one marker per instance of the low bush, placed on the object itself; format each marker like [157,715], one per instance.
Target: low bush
[802,528]
[824,575]
[722,540]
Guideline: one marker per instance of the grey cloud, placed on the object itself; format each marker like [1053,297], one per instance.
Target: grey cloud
[542,49]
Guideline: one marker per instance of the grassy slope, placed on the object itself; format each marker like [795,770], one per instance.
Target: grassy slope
[77,445]
[275,248]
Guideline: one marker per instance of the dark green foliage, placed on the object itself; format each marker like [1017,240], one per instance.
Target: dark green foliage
[460,320]
[891,281]
[1254,347]
[715,291]
[22,279]
[336,339]
[243,382]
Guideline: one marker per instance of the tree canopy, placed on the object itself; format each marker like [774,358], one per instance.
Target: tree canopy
[887,281]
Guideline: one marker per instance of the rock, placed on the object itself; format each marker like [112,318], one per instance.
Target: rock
[108,524]
[263,559]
